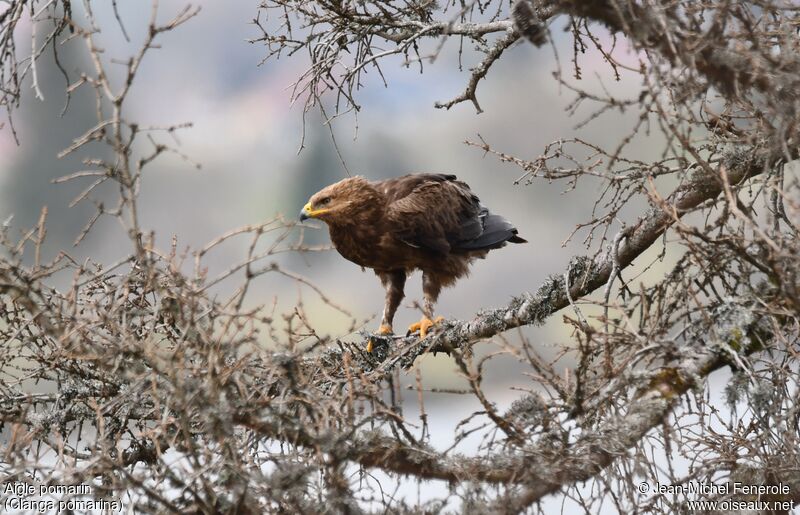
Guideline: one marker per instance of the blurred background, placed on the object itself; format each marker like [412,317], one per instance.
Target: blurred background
[246,135]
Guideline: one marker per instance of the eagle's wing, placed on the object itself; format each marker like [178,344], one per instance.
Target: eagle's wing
[440,213]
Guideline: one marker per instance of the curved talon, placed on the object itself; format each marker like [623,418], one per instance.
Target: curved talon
[423,326]
[383,330]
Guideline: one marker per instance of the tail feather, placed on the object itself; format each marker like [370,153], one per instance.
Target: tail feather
[496,232]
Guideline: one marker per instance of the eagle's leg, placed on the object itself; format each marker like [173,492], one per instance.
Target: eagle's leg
[430,291]
[394,282]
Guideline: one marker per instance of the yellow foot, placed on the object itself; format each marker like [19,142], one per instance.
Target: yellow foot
[383,330]
[423,326]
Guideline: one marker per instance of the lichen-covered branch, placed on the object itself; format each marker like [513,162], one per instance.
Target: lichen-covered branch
[659,28]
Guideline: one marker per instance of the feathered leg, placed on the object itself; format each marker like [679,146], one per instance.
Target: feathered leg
[430,291]
[394,283]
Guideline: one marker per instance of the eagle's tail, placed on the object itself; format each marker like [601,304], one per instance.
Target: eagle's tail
[496,232]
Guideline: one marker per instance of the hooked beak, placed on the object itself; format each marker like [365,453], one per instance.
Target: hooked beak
[304,213]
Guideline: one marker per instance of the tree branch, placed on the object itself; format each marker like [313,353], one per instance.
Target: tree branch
[594,451]
[729,71]
[480,71]
[541,468]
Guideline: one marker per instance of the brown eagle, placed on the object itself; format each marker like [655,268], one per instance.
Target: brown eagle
[430,222]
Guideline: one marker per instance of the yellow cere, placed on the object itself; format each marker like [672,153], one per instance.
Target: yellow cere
[313,212]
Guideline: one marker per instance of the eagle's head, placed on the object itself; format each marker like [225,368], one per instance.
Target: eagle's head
[347,201]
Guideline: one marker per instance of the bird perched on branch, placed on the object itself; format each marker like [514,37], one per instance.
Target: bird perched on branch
[428,222]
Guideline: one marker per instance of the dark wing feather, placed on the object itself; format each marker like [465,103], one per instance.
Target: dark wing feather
[429,215]
[496,232]
[440,213]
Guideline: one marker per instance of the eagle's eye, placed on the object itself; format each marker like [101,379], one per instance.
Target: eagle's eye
[324,201]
